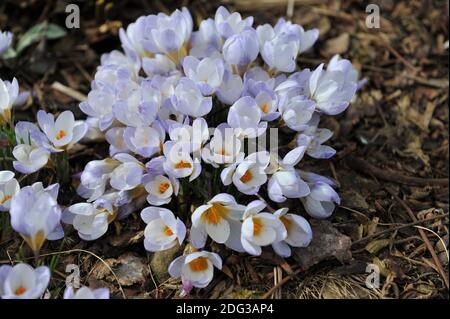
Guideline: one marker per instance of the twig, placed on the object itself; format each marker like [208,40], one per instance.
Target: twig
[425,239]
[281,283]
[68,91]
[392,176]
[423,221]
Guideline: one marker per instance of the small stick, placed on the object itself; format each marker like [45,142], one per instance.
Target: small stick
[69,92]
[423,221]
[425,239]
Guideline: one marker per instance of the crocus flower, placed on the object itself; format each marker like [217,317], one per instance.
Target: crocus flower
[195,269]
[63,132]
[190,137]
[86,293]
[30,157]
[333,89]
[179,163]
[231,88]
[296,112]
[116,140]
[95,177]
[99,104]
[163,230]
[322,199]
[160,65]
[306,39]
[138,104]
[207,73]
[189,100]
[128,174]
[229,24]
[145,140]
[9,186]
[245,117]
[299,232]
[168,34]
[313,137]
[206,42]
[260,228]
[23,281]
[36,215]
[249,175]
[223,148]
[8,94]
[241,49]
[5,41]
[161,189]
[90,219]
[132,38]
[286,182]
[214,219]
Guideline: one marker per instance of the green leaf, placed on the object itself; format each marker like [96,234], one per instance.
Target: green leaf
[38,32]
[9,54]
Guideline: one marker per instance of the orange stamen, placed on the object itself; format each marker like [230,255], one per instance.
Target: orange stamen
[20,291]
[183,165]
[163,187]
[265,107]
[199,264]
[60,135]
[215,214]
[168,231]
[257,226]
[247,177]
[5,198]
[286,222]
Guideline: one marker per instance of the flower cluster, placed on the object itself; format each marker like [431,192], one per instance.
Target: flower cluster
[184,113]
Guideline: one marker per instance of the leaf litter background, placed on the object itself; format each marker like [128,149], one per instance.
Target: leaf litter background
[392,161]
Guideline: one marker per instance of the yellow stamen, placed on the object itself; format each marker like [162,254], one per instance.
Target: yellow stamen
[223,152]
[257,226]
[215,214]
[247,177]
[168,231]
[182,164]
[5,198]
[20,291]
[286,222]
[163,187]
[199,264]
[60,135]
[265,107]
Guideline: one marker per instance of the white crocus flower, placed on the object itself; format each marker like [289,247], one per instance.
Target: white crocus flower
[128,174]
[63,132]
[206,73]
[36,215]
[299,232]
[190,137]
[228,23]
[179,163]
[145,141]
[9,186]
[95,177]
[249,175]
[8,94]
[30,157]
[195,269]
[215,219]
[90,219]
[223,148]
[23,282]
[286,181]
[163,230]
[245,117]
[189,100]
[86,293]
[161,189]
[231,88]
[260,229]
[115,138]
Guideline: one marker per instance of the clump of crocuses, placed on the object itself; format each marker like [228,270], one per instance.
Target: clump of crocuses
[180,109]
